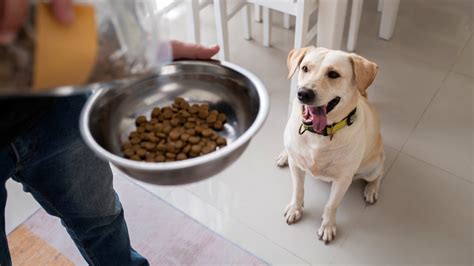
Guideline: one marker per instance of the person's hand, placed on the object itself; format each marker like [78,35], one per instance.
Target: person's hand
[13,14]
[183,50]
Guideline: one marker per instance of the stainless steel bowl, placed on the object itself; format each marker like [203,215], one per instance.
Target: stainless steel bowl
[109,116]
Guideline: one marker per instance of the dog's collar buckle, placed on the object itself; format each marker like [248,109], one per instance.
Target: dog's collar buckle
[331,132]
[351,118]
[302,129]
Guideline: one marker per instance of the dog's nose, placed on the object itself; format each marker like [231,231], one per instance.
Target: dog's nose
[306,95]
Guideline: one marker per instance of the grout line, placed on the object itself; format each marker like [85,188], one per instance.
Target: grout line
[366,208]
[463,74]
[384,177]
[426,162]
[426,109]
[167,196]
[391,147]
[437,167]
[248,226]
[163,196]
[448,73]
[393,162]
[459,56]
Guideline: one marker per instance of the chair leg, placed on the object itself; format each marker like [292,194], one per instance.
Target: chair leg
[246,20]
[302,23]
[379,5]
[389,18]
[220,10]
[192,11]
[258,13]
[286,21]
[267,26]
[331,18]
[293,91]
[301,29]
[354,24]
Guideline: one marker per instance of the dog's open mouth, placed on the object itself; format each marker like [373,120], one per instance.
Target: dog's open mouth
[316,116]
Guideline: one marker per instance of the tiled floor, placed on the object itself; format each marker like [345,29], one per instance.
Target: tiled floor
[424,92]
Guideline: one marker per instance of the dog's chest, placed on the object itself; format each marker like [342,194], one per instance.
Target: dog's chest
[316,154]
[311,156]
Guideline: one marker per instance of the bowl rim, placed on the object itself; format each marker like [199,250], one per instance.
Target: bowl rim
[263,110]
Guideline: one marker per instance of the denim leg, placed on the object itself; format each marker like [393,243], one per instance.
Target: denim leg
[70,182]
[7,168]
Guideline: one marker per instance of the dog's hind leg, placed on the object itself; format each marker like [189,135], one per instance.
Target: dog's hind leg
[371,191]
[282,159]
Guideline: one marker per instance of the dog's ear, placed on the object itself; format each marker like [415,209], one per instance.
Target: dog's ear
[364,72]
[294,59]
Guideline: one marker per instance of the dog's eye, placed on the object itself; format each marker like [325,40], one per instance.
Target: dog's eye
[305,69]
[333,75]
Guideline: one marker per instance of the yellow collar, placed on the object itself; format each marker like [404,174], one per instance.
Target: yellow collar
[330,130]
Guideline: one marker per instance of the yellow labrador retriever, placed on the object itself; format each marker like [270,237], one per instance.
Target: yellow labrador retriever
[333,132]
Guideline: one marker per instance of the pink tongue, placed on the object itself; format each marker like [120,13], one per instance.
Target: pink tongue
[318,116]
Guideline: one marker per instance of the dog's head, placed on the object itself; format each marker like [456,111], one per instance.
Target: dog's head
[329,82]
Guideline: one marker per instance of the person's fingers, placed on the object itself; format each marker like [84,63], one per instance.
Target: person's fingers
[63,10]
[207,52]
[192,51]
[12,17]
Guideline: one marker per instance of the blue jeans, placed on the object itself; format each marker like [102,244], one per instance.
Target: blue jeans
[53,164]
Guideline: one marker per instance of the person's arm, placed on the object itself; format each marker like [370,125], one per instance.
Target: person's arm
[13,14]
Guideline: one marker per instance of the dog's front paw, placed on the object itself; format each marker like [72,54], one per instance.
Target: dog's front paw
[282,160]
[327,232]
[293,213]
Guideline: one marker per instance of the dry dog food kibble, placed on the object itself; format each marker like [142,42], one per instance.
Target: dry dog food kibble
[175,133]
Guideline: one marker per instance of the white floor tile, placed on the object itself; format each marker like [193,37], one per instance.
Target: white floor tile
[160,191]
[230,228]
[433,33]
[424,215]
[20,206]
[401,93]
[403,88]
[444,133]
[406,81]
